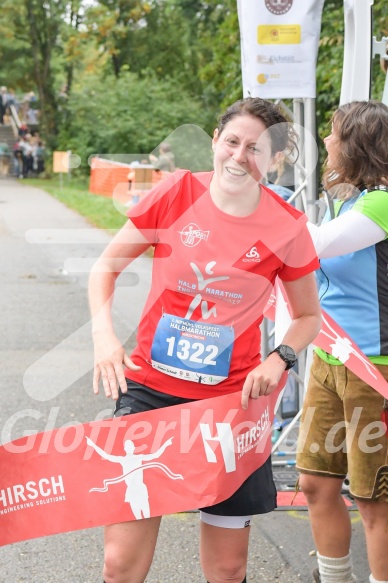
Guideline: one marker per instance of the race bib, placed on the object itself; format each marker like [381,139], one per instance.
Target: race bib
[191,350]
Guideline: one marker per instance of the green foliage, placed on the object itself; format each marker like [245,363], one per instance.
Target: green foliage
[330,59]
[329,62]
[127,115]
[163,36]
[114,24]
[220,61]
[17,70]
[135,70]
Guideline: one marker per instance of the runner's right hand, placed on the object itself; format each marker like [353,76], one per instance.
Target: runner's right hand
[109,358]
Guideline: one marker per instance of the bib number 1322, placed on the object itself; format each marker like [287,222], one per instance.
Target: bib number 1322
[192,351]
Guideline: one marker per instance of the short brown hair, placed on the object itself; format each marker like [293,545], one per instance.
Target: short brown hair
[283,135]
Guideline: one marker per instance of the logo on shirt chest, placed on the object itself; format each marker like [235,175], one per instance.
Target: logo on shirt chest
[252,255]
[191,235]
[258,259]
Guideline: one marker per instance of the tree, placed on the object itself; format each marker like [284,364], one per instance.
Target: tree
[43,24]
[127,115]
[330,59]
[191,45]
[72,41]
[113,24]
[220,55]
[16,59]
[38,28]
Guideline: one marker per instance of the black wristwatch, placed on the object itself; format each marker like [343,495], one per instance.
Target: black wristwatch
[287,354]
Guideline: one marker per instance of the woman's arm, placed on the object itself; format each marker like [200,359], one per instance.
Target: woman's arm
[347,233]
[306,321]
[109,354]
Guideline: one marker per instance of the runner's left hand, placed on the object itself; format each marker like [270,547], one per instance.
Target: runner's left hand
[263,379]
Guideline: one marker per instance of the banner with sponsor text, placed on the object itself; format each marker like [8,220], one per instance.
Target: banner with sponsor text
[138,466]
[279,47]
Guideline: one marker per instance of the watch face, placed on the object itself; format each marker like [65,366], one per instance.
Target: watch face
[287,352]
[288,355]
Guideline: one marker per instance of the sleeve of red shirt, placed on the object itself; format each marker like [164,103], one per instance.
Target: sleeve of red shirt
[147,214]
[170,198]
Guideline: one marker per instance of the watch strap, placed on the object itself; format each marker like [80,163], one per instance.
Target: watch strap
[289,360]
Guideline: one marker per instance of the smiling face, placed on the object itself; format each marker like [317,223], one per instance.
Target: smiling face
[242,154]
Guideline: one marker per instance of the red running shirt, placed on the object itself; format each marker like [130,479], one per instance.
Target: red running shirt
[214,268]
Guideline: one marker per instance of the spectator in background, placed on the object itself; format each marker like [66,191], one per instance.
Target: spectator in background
[166,160]
[26,105]
[3,103]
[23,153]
[32,117]
[23,130]
[281,177]
[5,155]
[18,158]
[27,148]
[38,152]
[12,102]
[12,99]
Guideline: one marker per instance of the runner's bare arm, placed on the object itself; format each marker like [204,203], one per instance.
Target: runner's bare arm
[109,354]
[306,320]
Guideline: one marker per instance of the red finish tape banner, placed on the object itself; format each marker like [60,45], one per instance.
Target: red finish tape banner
[138,466]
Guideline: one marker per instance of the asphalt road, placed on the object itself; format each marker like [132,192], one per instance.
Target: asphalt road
[45,382]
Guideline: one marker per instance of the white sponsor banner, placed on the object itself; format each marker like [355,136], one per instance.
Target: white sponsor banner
[279,47]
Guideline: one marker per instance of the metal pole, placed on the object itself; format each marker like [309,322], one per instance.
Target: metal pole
[299,121]
[356,76]
[311,158]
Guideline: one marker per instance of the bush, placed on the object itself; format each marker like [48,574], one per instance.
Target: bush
[125,116]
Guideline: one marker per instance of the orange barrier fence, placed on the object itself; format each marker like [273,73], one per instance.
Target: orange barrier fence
[123,182]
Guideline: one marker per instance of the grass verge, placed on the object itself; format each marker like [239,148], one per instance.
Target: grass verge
[100,211]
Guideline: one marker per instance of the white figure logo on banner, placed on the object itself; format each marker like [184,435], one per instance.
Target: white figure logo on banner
[136,493]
